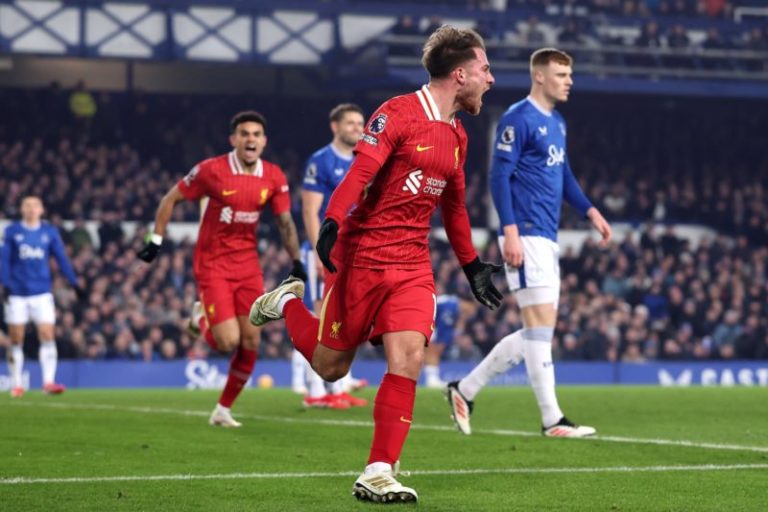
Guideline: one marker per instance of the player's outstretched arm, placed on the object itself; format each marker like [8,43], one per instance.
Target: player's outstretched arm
[154,240]
[290,237]
[456,222]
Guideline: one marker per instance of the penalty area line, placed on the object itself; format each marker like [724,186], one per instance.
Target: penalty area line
[428,472]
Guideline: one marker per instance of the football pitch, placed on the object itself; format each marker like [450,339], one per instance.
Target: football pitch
[659,449]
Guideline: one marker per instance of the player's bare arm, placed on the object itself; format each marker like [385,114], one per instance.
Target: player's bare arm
[288,234]
[163,216]
[513,247]
[600,224]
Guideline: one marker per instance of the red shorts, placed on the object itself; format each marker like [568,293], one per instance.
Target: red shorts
[362,304]
[224,298]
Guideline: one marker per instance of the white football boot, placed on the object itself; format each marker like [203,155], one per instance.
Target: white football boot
[461,408]
[566,428]
[193,326]
[381,487]
[265,308]
[222,417]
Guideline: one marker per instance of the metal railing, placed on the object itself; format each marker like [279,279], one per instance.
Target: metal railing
[611,60]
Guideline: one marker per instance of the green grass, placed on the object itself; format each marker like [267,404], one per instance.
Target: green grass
[143,433]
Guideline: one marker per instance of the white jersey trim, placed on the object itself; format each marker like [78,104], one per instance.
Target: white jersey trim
[430,107]
[236,168]
[424,103]
[538,107]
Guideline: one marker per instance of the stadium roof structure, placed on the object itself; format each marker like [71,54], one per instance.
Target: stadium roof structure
[350,45]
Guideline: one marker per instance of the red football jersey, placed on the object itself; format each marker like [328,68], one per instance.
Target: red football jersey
[226,243]
[422,164]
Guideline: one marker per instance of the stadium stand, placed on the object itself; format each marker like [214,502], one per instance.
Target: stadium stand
[106,156]
[643,298]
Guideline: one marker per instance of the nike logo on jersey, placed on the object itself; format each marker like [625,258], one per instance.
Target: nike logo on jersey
[421,148]
[226,193]
[404,420]
[543,130]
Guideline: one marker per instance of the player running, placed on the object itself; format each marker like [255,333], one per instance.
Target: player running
[238,185]
[409,159]
[324,171]
[25,273]
[530,178]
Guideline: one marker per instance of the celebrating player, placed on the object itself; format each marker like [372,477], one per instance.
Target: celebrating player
[410,158]
[530,177]
[25,273]
[324,171]
[238,186]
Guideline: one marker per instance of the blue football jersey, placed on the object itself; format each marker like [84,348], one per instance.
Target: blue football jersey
[446,316]
[25,267]
[530,173]
[324,171]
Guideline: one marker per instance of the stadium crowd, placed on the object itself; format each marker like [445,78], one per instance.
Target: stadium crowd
[657,33]
[642,298]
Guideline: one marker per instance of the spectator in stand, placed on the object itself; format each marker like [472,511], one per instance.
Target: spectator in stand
[679,42]
[570,33]
[648,39]
[532,35]
[715,41]
[405,26]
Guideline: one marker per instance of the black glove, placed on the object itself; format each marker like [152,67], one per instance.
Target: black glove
[479,275]
[82,293]
[298,271]
[150,250]
[325,240]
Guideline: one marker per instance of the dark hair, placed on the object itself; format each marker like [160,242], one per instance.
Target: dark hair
[543,56]
[247,116]
[447,48]
[338,112]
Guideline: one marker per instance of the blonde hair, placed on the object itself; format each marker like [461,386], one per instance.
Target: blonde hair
[543,56]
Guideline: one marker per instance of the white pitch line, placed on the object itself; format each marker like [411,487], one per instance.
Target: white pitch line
[358,423]
[426,472]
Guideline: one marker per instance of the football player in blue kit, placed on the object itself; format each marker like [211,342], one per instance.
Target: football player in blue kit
[529,179]
[449,309]
[25,273]
[324,171]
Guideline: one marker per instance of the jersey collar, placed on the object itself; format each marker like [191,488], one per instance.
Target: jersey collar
[339,155]
[429,105]
[31,227]
[538,107]
[236,168]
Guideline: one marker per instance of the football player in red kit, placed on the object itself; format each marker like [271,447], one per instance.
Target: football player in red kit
[379,284]
[237,187]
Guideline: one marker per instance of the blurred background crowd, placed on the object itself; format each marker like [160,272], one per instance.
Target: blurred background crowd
[651,163]
[650,295]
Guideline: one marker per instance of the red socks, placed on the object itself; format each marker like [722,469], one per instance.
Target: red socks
[302,326]
[392,417]
[240,369]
